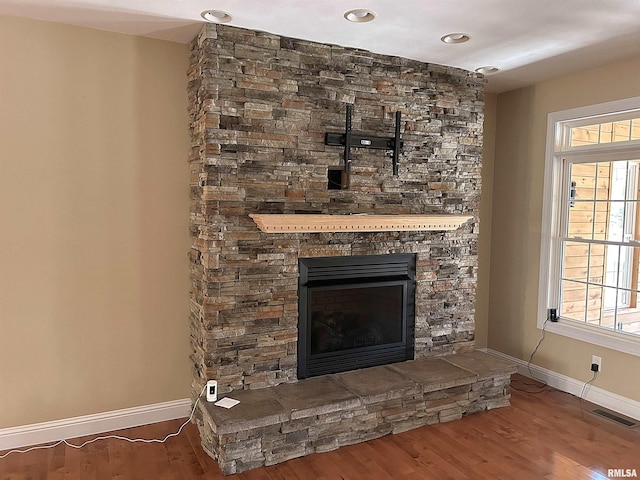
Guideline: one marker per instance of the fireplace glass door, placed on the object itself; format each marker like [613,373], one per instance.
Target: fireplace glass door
[356,316]
[355,312]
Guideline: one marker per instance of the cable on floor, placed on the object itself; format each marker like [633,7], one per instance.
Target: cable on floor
[108,437]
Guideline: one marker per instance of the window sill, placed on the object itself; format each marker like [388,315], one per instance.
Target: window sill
[620,341]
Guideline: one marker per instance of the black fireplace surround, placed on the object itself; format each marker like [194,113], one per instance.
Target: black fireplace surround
[355,312]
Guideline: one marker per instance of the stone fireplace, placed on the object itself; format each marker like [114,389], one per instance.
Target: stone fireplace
[260,106]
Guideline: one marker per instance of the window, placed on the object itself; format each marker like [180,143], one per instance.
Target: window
[590,253]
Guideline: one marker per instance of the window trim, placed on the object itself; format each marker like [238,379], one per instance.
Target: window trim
[556,150]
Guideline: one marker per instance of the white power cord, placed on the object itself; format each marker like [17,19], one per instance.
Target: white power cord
[106,437]
[593,377]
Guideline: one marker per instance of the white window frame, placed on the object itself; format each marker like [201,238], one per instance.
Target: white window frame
[554,194]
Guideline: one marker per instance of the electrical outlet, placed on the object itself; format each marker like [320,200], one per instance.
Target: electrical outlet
[598,361]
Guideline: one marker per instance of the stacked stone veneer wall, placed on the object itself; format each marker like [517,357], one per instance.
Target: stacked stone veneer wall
[260,105]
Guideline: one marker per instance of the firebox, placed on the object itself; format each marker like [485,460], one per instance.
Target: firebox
[355,312]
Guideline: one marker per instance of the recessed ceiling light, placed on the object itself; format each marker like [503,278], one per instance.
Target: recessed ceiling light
[216,16]
[488,70]
[455,38]
[360,15]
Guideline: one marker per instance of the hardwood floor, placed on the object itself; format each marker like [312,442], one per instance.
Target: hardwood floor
[541,436]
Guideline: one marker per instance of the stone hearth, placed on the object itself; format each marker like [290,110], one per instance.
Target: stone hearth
[317,415]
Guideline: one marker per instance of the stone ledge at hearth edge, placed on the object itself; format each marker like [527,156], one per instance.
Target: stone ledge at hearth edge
[380,400]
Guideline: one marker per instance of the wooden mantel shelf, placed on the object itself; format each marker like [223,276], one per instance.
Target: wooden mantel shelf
[301,223]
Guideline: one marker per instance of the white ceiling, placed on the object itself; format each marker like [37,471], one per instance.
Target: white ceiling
[529,40]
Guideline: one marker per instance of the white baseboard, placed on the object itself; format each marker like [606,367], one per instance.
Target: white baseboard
[599,396]
[68,428]
[48,432]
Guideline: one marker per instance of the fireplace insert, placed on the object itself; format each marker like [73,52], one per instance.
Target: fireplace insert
[355,312]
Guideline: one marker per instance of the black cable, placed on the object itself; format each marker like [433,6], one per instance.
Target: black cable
[534,352]
[543,388]
[531,375]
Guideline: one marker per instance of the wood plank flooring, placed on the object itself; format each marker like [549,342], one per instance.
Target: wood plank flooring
[541,436]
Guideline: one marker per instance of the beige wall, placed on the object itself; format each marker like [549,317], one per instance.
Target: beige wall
[517,213]
[486,206]
[94,222]
[94,210]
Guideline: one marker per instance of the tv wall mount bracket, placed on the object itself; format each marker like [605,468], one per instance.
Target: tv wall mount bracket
[355,140]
